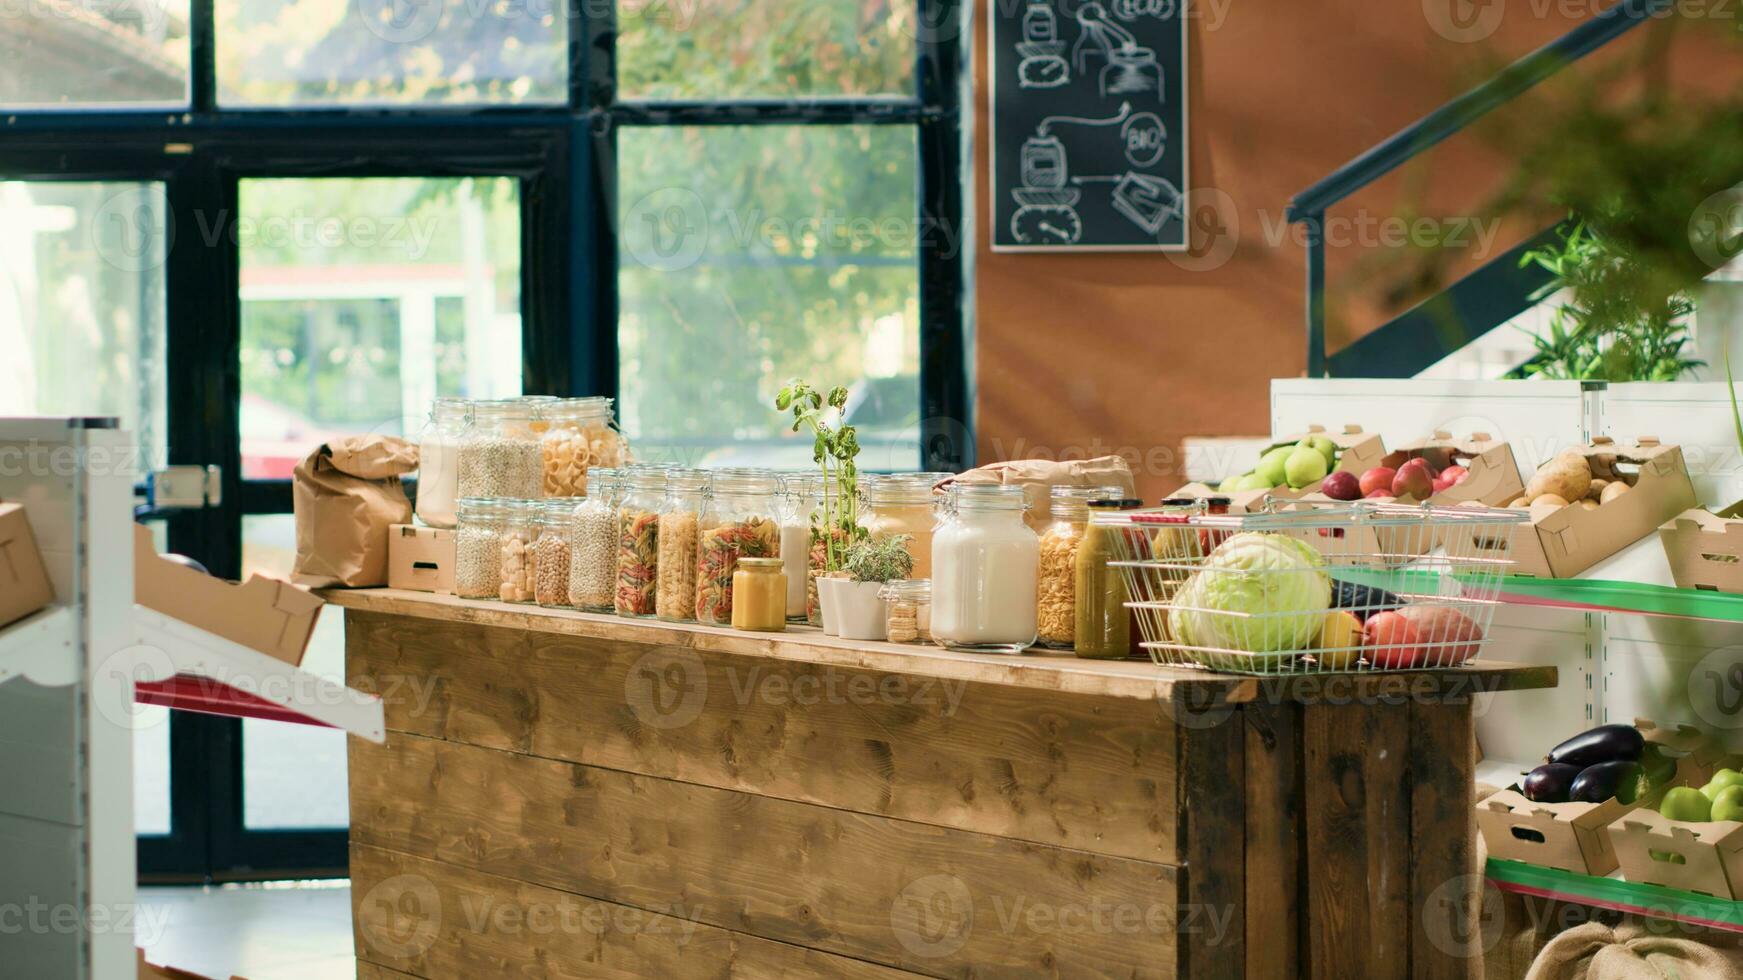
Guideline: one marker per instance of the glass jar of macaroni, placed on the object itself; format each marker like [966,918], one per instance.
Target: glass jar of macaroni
[638,540]
[579,436]
[675,594]
[740,520]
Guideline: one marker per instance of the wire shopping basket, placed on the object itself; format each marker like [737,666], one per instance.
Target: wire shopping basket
[1303,588]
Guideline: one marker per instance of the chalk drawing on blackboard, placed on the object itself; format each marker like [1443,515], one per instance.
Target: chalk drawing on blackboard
[1146,200]
[1129,67]
[1041,54]
[1046,206]
[1145,138]
[1134,9]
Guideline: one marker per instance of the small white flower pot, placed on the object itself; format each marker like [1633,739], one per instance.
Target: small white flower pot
[830,606]
[860,610]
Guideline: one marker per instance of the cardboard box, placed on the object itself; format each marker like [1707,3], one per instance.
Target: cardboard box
[420,558]
[24,584]
[1575,836]
[1494,475]
[267,614]
[1712,853]
[1705,549]
[1358,452]
[1573,539]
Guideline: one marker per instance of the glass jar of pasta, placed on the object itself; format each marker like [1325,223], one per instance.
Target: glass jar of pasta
[902,503]
[593,543]
[578,437]
[438,463]
[638,540]
[741,520]
[520,528]
[478,548]
[675,593]
[499,454]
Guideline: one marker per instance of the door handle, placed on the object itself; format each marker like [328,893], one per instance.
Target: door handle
[185,488]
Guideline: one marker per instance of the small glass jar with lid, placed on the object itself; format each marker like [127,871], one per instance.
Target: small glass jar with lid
[438,462]
[499,453]
[985,560]
[551,553]
[902,503]
[1103,623]
[593,543]
[638,540]
[759,595]
[801,496]
[742,519]
[907,610]
[680,512]
[515,570]
[478,548]
[579,436]
[1055,600]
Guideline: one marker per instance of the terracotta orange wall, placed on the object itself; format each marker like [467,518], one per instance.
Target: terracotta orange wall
[1133,352]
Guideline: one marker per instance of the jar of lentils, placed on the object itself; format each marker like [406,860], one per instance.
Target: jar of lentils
[499,454]
[741,520]
[593,543]
[477,547]
[551,553]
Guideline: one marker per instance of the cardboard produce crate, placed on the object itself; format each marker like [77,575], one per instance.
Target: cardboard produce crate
[1494,476]
[1705,549]
[1358,452]
[420,558]
[266,614]
[1712,853]
[1575,837]
[24,583]
[1572,539]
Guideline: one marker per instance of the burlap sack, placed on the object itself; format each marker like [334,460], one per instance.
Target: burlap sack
[346,494]
[1630,952]
[1038,477]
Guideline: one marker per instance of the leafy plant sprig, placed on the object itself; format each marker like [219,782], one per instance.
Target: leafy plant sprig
[835,447]
[882,560]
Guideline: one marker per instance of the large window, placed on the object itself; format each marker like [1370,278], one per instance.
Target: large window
[352,206]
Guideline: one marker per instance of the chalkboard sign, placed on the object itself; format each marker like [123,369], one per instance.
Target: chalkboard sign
[1088,103]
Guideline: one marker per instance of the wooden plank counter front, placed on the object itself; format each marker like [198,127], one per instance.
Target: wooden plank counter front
[570,795]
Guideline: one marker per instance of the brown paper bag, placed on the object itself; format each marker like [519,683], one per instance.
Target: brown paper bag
[1631,952]
[346,495]
[1038,477]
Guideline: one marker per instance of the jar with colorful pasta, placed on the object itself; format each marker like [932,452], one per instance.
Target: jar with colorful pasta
[638,540]
[741,520]
[593,543]
[579,436]
[675,593]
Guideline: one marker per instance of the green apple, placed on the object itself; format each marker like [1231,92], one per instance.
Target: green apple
[1687,805]
[1305,465]
[1728,805]
[1231,484]
[1721,780]
[1254,481]
[1325,447]
[1272,466]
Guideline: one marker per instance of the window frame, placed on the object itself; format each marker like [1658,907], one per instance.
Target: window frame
[564,157]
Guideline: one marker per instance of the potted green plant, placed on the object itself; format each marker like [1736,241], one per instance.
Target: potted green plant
[835,447]
[860,605]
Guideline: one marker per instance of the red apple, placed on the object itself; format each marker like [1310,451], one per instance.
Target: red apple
[1442,484]
[1391,642]
[1381,493]
[1341,485]
[1414,479]
[1378,478]
[1454,475]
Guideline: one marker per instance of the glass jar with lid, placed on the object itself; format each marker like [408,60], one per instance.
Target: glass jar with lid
[438,461]
[680,512]
[902,503]
[593,543]
[742,519]
[579,436]
[520,528]
[801,496]
[985,560]
[638,540]
[1055,599]
[907,610]
[551,553]
[499,453]
[1103,623]
[477,546]
[759,595]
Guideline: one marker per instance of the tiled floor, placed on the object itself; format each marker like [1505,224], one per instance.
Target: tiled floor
[276,931]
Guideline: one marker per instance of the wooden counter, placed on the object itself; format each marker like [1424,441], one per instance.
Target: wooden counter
[570,795]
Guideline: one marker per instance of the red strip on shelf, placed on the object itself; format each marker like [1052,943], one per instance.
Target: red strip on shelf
[186,692]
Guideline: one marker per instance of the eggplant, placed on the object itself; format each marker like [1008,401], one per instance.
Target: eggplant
[1606,743]
[1363,600]
[1622,780]
[1660,769]
[1550,782]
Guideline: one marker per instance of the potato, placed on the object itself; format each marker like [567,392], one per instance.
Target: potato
[1588,504]
[1616,489]
[1567,477]
[1520,502]
[1546,505]
[1596,488]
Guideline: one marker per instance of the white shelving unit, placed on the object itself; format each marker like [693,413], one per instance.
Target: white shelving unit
[40,647]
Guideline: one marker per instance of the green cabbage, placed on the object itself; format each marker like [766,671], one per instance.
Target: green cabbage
[1276,581]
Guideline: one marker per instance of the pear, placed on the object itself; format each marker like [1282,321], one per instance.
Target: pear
[1305,465]
[1272,466]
